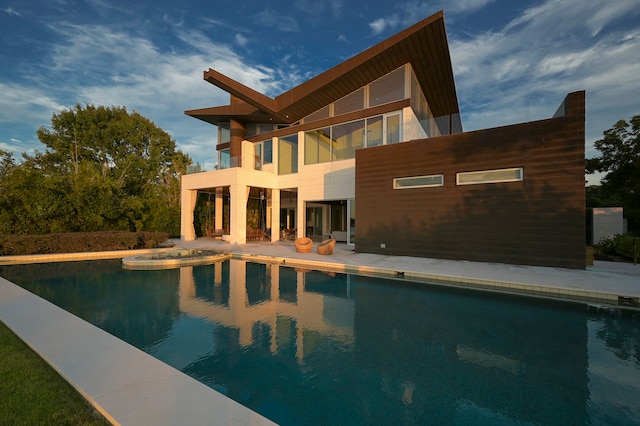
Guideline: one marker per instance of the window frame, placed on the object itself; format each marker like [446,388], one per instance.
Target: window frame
[434,185]
[518,178]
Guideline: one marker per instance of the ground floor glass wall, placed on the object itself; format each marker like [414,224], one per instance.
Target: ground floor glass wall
[330,219]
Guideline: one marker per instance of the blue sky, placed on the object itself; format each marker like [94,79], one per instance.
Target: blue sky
[513,61]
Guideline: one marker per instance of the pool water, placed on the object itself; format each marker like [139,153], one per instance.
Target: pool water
[314,348]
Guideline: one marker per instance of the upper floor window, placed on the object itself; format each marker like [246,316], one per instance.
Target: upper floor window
[386,89]
[346,139]
[319,114]
[254,129]
[224,133]
[288,155]
[267,151]
[340,142]
[224,158]
[352,102]
[317,146]
[263,154]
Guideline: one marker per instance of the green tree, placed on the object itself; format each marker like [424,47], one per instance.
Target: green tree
[620,159]
[6,165]
[103,168]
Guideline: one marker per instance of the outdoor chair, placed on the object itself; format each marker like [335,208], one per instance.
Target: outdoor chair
[303,245]
[326,247]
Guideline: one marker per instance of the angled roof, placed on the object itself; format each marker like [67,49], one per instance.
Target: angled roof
[424,45]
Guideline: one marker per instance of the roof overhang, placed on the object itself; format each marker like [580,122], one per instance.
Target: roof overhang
[424,45]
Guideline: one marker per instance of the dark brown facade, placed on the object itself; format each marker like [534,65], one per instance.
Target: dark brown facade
[537,221]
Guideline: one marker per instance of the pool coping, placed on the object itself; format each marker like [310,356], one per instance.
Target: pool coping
[623,301]
[152,392]
[619,299]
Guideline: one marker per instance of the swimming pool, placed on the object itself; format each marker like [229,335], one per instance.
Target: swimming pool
[308,347]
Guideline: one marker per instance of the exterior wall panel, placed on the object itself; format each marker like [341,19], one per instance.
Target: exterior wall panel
[538,221]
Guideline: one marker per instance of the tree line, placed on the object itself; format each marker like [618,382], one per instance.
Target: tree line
[103,168]
[620,159]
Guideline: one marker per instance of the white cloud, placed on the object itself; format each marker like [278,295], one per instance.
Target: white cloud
[241,40]
[312,7]
[269,18]
[337,8]
[413,11]
[467,6]
[10,11]
[19,101]
[610,11]
[382,24]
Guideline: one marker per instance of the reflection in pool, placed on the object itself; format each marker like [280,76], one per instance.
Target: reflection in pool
[308,347]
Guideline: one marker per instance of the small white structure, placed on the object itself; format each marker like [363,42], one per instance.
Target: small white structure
[606,222]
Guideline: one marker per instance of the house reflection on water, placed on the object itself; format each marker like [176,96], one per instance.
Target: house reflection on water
[272,296]
[443,354]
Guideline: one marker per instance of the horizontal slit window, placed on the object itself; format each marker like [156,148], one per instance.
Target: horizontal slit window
[490,176]
[418,182]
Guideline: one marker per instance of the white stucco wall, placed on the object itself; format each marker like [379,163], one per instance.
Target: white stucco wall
[316,182]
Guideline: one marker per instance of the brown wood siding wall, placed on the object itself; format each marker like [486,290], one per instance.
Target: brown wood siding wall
[539,221]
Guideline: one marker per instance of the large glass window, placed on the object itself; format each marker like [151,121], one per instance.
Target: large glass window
[318,115]
[352,102]
[257,158]
[375,134]
[263,154]
[341,141]
[317,146]
[393,129]
[421,107]
[224,132]
[254,129]
[288,155]
[267,152]
[346,139]
[338,217]
[224,159]
[387,89]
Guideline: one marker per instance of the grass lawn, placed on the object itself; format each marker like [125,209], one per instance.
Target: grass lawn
[32,393]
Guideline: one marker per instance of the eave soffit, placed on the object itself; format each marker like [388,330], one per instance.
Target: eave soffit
[424,45]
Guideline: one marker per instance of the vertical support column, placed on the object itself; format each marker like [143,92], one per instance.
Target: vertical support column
[275,300]
[275,214]
[237,132]
[187,285]
[238,214]
[300,218]
[301,277]
[188,198]
[219,210]
[238,301]
[217,274]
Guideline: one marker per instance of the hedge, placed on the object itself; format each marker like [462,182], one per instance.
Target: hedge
[79,242]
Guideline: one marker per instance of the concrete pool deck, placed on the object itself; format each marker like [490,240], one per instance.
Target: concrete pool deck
[130,387]
[604,282]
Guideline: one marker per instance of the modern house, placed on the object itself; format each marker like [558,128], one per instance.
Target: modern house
[372,153]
